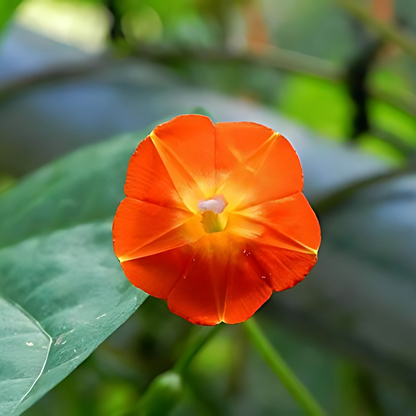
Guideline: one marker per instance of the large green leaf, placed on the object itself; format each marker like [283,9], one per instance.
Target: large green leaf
[59,278]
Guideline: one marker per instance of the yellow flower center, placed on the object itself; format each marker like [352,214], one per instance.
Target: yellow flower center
[211,210]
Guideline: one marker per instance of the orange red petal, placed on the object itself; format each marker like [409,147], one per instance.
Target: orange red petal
[272,172]
[186,145]
[288,223]
[157,274]
[148,180]
[283,268]
[142,229]
[235,142]
[222,283]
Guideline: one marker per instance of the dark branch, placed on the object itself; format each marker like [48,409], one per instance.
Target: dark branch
[338,197]
[385,31]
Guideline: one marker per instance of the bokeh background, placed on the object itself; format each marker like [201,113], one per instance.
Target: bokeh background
[338,79]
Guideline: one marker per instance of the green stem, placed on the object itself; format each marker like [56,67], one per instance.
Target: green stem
[166,390]
[203,336]
[289,380]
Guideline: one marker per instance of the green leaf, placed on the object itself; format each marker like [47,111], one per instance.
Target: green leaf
[390,119]
[321,105]
[58,270]
[7,9]
[21,337]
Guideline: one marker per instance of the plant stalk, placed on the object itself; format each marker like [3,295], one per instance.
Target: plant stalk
[287,377]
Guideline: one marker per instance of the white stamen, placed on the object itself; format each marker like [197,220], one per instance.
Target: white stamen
[216,205]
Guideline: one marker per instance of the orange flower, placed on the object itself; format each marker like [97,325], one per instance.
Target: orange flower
[215,220]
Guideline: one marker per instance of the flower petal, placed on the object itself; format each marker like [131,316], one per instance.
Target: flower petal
[284,237]
[142,229]
[289,223]
[186,144]
[247,291]
[187,233]
[272,172]
[148,180]
[235,142]
[157,274]
[222,284]
[283,269]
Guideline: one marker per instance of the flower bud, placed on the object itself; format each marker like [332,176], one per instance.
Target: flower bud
[162,395]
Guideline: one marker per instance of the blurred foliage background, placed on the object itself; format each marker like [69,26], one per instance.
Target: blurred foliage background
[74,72]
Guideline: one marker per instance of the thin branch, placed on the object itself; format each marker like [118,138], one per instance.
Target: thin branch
[405,103]
[385,30]
[271,57]
[332,201]
[265,55]
[61,72]
[393,140]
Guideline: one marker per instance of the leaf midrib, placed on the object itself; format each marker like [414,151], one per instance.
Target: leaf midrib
[47,335]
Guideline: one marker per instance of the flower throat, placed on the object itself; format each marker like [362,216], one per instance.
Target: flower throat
[211,210]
